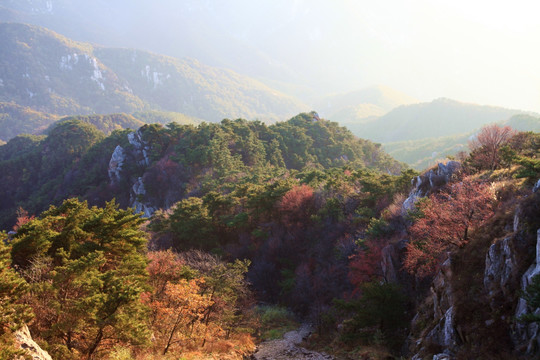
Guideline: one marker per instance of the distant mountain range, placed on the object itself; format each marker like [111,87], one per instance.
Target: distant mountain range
[423,153]
[45,77]
[441,117]
[358,107]
[51,73]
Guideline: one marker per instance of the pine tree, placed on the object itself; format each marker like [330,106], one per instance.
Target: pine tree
[92,270]
[13,314]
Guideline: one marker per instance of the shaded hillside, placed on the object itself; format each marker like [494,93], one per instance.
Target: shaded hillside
[50,73]
[157,166]
[16,119]
[441,117]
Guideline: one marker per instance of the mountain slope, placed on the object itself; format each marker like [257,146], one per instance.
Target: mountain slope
[441,117]
[190,87]
[356,106]
[157,166]
[51,73]
[423,153]
[15,120]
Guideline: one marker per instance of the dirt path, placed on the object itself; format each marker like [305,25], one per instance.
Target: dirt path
[287,348]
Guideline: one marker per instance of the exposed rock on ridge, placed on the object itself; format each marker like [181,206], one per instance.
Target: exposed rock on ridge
[429,182]
[136,155]
[24,341]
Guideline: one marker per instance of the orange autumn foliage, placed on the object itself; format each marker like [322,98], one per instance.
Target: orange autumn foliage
[447,220]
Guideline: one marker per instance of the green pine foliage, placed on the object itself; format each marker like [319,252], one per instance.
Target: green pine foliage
[13,313]
[186,160]
[532,296]
[87,269]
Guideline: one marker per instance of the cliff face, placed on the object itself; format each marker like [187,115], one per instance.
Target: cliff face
[443,326]
[527,336]
[441,329]
[125,165]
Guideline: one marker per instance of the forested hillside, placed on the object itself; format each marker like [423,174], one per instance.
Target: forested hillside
[53,74]
[16,119]
[441,117]
[155,206]
[157,166]
[423,153]
[252,227]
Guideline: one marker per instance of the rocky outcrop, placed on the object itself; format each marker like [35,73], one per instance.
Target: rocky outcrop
[438,311]
[501,272]
[429,182]
[536,186]
[392,262]
[24,341]
[137,195]
[141,149]
[115,164]
[528,335]
[134,156]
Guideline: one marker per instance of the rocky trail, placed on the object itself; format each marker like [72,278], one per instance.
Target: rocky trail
[288,347]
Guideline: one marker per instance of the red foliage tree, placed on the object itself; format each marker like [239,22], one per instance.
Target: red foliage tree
[485,147]
[365,265]
[447,221]
[22,218]
[297,204]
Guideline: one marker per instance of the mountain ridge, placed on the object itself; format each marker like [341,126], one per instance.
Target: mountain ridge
[51,73]
[440,117]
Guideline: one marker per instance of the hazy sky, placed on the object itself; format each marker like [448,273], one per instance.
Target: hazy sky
[478,51]
[486,52]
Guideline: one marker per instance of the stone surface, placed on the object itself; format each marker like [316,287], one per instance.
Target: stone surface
[118,158]
[441,302]
[392,262]
[140,147]
[24,341]
[500,274]
[137,198]
[536,186]
[528,334]
[288,347]
[428,182]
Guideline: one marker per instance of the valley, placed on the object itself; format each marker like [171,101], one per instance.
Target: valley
[197,180]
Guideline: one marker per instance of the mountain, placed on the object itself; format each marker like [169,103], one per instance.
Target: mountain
[359,106]
[423,153]
[111,122]
[190,87]
[16,119]
[441,117]
[157,166]
[279,42]
[51,73]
